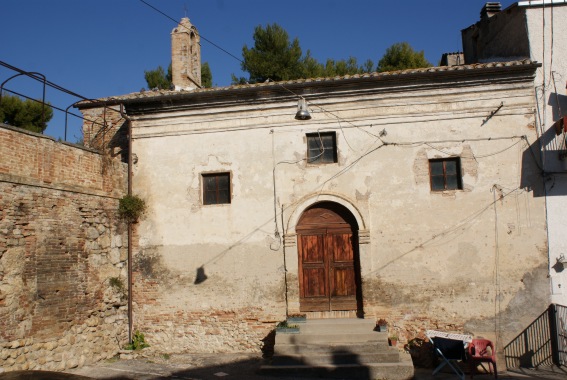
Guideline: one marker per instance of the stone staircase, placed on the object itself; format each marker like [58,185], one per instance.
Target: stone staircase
[337,348]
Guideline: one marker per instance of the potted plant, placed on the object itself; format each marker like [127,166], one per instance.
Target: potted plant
[393,340]
[296,318]
[382,325]
[286,328]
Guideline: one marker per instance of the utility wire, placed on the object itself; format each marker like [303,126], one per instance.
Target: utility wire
[200,35]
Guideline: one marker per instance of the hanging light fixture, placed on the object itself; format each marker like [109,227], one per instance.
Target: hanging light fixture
[302,111]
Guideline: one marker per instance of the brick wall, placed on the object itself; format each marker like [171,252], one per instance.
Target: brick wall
[63,254]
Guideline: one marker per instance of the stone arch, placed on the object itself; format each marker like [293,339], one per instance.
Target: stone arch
[307,202]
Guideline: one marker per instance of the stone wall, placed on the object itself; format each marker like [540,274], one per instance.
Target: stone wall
[63,254]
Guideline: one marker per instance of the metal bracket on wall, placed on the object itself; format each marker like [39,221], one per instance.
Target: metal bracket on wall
[492,114]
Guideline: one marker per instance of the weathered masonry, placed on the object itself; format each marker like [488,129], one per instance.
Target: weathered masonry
[408,196]
[62,254]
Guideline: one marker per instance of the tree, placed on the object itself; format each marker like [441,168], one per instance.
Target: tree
[273,55]
[159,79]
[206,76]
[27,114]
[401,56]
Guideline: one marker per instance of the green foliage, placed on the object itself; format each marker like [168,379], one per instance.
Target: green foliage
[158,78]
[285,325]
[27,114]
[401,56]
[273,56]
[130,207]
[116,283]
[138,342]
[206,76]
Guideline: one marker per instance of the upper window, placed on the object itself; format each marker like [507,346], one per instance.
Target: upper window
[321,148]
[445,174]
[216,188]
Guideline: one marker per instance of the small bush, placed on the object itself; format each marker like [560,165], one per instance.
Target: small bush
[138,342]
[130,207]
[116,283]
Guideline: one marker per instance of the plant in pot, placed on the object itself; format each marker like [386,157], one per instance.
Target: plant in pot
[286,328]
[296,318]
[393,340]
[382,325]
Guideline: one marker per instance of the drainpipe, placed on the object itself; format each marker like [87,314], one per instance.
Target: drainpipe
[130,317]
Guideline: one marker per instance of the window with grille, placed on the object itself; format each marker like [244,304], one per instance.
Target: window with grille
[445,174]
[216,188]
[321,148]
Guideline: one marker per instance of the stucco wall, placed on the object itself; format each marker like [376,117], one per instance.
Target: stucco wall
[537,32]
[60,244]
[547,46]
[469,260]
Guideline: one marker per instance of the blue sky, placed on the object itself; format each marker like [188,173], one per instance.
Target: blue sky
[100,48]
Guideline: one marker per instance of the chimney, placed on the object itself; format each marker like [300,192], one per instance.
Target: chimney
[185,56]
[489,10]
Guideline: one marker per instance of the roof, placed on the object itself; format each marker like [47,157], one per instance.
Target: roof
[392,75]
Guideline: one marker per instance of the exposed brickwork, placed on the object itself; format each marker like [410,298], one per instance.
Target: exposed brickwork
[60,243]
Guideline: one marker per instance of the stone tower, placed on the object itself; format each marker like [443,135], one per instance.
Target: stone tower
[185,56]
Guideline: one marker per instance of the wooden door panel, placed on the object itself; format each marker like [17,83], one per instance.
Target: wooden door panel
[341,247]
[313,249]
[314,282]
[343,282]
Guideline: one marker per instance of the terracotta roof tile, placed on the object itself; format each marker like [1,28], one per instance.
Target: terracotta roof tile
[271,84]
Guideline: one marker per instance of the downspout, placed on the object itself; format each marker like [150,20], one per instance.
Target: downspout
[130,315]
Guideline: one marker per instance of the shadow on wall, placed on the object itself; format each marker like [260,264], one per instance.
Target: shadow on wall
[533,169]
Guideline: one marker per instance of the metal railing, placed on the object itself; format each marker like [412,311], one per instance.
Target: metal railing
[542,343]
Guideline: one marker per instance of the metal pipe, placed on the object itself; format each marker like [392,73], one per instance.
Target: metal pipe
[130,283]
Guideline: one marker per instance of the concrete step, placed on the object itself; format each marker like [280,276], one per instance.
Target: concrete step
[390,371]
[328,349]
[326,338]
[332,326]
[337,348]
[338,357]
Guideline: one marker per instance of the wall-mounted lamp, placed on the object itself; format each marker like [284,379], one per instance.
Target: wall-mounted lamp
[562,259]
[302,111]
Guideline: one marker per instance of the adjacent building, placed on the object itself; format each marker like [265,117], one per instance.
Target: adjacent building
[536,30]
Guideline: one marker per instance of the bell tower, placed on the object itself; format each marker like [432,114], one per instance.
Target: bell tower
[185,56]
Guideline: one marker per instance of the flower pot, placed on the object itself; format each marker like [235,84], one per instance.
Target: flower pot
[296,319]
[393,342]
[287,330]
[383,328]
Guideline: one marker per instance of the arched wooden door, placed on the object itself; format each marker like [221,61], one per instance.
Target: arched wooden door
[329,274]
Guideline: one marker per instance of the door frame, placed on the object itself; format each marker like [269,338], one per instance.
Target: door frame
[290,217]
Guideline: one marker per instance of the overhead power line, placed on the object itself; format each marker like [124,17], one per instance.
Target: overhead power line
[200,35]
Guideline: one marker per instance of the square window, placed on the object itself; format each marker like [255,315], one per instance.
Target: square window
[321,148]
[445,174]
[216,188]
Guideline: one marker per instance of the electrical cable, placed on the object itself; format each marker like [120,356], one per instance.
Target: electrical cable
[200,35]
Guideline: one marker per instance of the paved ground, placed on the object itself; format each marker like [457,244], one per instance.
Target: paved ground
[245,367]
[226,367]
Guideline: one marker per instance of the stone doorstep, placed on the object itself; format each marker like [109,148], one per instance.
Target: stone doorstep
[338,348]
[337,337]
[355,348]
